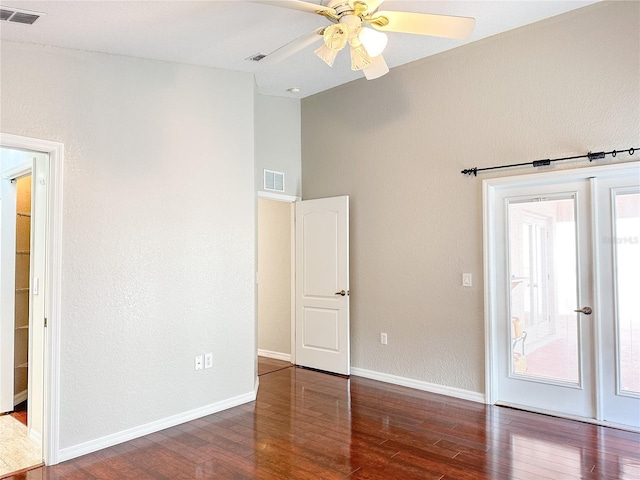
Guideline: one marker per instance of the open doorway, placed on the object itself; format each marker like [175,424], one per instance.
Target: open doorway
[275,279]
[22,226]
[44,160]
[315,292]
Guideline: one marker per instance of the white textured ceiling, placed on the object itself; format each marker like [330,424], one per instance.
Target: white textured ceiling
[222,34]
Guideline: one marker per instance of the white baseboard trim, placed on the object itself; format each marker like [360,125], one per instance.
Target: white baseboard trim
[115,438]
[277,355]
[35,437]
[18,398]
[419,385]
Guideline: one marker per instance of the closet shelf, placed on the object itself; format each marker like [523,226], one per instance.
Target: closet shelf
[23,365]
[21,290]
[23,327]
[23,252]
[22,214]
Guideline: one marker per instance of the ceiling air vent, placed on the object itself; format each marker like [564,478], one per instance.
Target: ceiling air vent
[273,181]
[15,15]
[257,57]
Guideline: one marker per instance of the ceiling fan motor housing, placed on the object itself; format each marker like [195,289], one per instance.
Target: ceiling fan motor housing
[340,6]
[353,22]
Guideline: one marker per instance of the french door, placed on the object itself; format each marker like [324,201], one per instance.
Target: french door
[562,252]
[618,254]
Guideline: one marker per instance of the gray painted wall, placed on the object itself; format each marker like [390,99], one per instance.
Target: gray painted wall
[158,230]
[277,137]
[564,86]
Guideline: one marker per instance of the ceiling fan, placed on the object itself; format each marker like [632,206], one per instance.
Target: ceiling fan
[359,24]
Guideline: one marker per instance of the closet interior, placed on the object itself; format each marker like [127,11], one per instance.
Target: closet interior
[22,285]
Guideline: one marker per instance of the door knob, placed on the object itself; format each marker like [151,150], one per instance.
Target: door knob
[585,310]
[341,292]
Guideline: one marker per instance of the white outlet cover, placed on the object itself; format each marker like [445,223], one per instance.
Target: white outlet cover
[467,280]
[208,360]
[198,365]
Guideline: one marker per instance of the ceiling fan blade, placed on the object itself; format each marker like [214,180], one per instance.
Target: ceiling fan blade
[297,5]
[426,24]
[293,47]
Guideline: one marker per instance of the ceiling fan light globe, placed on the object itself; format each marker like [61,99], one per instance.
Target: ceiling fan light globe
[360,58]
[335,37]
[326,54]
[377,69]
[375,42]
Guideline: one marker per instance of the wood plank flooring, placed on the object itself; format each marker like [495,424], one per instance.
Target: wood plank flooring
[20,412]
[309,425]
[270,365]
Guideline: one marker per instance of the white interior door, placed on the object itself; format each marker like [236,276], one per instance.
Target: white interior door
[39,196]
[322,284]
[563,254]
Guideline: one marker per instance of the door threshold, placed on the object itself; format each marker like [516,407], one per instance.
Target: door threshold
[22,470]
[550,413]
[346,377]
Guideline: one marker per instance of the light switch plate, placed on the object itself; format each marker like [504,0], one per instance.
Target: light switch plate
[466,280]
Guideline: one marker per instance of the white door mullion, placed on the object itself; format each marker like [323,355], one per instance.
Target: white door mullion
[597,311]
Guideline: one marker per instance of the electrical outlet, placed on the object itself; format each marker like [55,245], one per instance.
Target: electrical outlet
[199,362]
[383,338]
[466,280]
[208,360]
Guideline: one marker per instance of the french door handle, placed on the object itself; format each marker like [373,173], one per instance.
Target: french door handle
[585,310]
[341,292]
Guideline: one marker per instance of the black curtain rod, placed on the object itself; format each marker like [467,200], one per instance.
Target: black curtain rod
[541,163]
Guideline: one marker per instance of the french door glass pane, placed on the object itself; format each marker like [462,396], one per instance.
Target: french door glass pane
[543,289]
[627,265]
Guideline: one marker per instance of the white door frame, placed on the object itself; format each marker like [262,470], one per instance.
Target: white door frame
[52,287]
[489,188]
[281,197]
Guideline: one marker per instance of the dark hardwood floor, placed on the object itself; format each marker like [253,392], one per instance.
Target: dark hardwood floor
[20,412]
[270,365]
[309,425]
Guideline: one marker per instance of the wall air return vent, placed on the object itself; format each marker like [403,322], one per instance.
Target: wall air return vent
[15,15]
[273,181]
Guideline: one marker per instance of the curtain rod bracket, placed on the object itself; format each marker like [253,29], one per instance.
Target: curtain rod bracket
[542,163]
[596,156]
